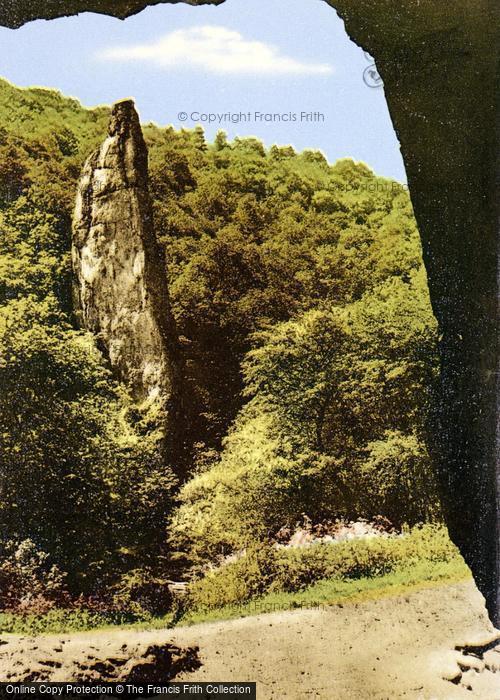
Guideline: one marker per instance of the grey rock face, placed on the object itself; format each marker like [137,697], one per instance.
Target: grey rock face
[121,291]
[440,68]
[14,13]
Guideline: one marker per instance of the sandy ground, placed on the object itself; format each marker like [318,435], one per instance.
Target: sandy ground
[394,647]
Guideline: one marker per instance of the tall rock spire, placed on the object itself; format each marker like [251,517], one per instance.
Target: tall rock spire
[121,293]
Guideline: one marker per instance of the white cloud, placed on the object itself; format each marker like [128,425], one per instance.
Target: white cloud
[215,49]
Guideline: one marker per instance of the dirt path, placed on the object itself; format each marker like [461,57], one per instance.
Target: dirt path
[394,647]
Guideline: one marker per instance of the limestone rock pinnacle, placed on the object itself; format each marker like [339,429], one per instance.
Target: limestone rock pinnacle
[121,290]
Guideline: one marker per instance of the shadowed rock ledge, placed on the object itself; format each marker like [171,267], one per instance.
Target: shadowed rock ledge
[92,658]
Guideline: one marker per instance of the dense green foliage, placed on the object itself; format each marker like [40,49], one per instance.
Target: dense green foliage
[422,559]
[81,479]
[301,285]
[267,569]
[302,306]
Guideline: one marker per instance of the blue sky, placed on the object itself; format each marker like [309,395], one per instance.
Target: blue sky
[267,56]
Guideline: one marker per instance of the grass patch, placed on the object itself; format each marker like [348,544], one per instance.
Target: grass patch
[61,620]
[332,592]
[264,569]
[403,580]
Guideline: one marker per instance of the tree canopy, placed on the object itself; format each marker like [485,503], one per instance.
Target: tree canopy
[301,301]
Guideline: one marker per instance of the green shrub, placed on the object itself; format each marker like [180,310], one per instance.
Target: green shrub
[61,620]
[395,477]
[28,580]
[247,577]
[333,427]
[271,569]
[141,593]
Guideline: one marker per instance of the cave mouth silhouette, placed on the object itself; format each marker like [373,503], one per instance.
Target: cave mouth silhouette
[440,69]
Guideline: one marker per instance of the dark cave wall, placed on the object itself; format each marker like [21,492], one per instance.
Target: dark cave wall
[441,78]
[15,13]
[450,139]
[440,66]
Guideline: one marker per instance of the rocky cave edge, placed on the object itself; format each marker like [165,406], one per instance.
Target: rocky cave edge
[440,66]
